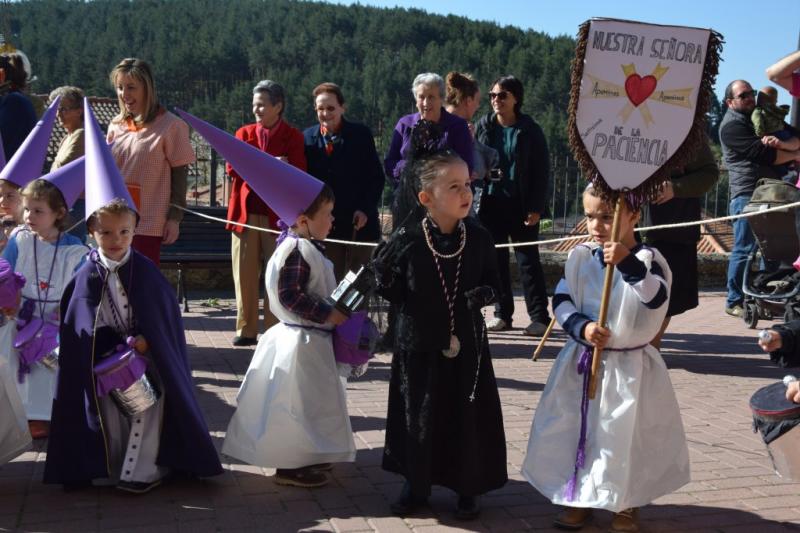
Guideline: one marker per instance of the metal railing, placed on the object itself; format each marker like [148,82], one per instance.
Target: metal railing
[209,185]
[567,185]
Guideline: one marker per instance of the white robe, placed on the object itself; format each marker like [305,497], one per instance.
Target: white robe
[133,443]
[14,434]
[38,388]
[292,410]
[635,446]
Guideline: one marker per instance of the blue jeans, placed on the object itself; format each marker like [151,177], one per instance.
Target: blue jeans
[743,244]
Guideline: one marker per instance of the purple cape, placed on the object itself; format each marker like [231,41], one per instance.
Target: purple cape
[76,451]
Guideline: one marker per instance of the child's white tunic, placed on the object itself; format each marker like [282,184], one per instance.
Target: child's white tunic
[292,410]
[14,434]
[38,388]
[635,446]
[133,443]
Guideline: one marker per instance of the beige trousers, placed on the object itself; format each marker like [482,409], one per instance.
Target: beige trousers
[250,251]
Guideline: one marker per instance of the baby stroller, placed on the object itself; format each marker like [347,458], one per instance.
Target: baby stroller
[773,291]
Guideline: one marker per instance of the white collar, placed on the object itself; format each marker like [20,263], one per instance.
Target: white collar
[110,264]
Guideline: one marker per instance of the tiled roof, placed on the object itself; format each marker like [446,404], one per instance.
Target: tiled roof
[717,237]
[566,246]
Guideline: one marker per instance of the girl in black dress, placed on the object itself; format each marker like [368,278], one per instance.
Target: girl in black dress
[444,425]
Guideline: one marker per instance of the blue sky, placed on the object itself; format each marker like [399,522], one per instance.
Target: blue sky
[756,33]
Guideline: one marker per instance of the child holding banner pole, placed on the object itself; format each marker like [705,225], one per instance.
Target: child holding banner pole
[634,118]
[631,447]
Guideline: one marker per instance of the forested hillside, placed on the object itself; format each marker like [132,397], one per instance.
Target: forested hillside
[208,54]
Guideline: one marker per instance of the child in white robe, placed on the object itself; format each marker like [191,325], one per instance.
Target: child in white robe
[47,257]
[630,443]
[14,434]
[291,409]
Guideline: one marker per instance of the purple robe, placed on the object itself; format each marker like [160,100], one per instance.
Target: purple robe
[76,451]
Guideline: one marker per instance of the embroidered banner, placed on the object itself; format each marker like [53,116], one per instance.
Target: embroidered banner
[639,97]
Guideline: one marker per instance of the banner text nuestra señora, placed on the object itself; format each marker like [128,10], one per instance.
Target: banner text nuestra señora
[663,49]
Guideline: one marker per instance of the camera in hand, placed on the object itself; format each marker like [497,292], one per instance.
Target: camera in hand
[353,290]
[495,174]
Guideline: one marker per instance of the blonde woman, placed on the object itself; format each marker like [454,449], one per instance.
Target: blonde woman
[152,150]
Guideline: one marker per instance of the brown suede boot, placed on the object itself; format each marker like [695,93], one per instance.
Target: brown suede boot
[572,518]
[626,521]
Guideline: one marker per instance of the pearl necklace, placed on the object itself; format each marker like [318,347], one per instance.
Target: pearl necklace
[454,347]
[429,242]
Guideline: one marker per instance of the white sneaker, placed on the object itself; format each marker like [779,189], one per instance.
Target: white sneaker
[497,324]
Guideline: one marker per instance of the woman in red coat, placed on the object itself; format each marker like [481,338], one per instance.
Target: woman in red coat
[250,249]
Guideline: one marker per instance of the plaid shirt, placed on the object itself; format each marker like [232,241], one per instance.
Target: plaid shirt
[292,281]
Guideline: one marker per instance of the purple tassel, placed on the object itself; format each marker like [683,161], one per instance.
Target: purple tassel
[569,490]
[284,227]
[584,368]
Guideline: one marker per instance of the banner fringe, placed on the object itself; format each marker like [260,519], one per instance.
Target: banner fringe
[649,189]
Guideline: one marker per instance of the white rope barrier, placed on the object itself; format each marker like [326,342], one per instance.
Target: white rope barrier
[760,212]
[265,230]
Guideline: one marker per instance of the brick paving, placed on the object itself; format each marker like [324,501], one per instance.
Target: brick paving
[714,363]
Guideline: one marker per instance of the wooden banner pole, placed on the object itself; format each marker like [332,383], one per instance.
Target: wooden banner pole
[601,320]
[544,338]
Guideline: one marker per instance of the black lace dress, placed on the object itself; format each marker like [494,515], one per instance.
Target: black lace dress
[444,425]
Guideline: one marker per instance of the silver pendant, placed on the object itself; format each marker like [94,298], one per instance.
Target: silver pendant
[454,349]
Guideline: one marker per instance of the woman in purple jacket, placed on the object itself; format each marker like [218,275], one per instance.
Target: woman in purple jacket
[429,91]
[442,129]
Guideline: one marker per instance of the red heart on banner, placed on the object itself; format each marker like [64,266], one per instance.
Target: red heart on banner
[639,88]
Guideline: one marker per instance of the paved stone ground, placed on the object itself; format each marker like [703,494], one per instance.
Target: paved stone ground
[714,363]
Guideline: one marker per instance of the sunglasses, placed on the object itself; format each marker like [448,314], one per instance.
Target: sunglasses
[744,95]
[502,95]
[65,109]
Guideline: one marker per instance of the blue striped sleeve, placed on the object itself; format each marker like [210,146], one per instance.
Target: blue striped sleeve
[649,284]
[571,320]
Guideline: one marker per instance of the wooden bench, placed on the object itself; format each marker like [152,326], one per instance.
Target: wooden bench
[202,243]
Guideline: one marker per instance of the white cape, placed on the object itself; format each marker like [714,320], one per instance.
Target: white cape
[635,446]
[292,409]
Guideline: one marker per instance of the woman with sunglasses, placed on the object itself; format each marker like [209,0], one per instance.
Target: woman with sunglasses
[512,206]
[429,93]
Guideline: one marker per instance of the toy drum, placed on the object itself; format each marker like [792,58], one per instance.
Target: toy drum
[37,341]
[122,375]
[777,419]
[354,343]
